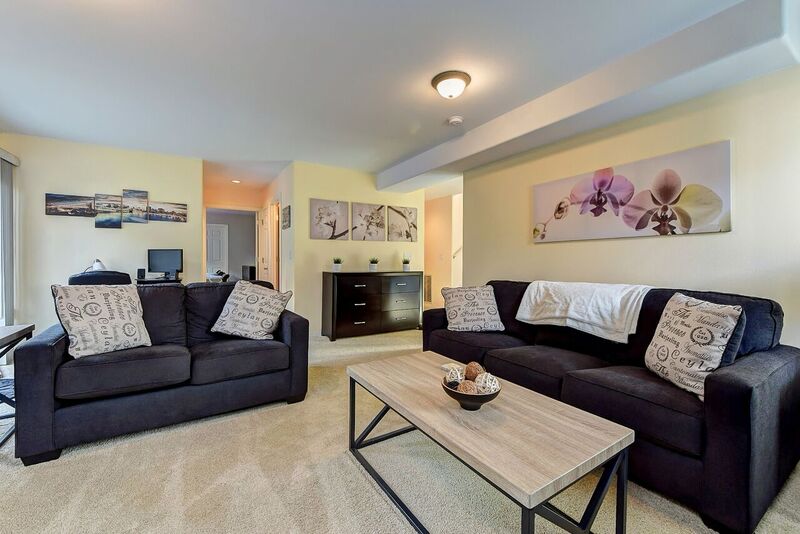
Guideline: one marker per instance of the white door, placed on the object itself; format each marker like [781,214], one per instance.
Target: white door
[216,248]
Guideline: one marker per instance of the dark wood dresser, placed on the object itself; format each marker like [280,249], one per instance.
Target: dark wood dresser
[357,304]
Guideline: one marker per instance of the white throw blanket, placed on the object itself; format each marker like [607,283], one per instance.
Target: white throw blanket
[610,311]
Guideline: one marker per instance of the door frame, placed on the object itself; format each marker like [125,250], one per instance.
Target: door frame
[204,252]
[275,242]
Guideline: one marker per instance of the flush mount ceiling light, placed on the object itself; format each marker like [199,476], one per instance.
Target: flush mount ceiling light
[236,181]
[451,84]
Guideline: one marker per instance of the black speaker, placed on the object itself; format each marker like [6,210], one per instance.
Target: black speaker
[248,272]
[140,274]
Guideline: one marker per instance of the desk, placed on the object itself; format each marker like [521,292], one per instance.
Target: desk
[149,281]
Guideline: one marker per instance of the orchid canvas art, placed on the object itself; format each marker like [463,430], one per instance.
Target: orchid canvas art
[680,193]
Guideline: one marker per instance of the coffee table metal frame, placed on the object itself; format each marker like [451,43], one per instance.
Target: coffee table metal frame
[7,396]
[617,465]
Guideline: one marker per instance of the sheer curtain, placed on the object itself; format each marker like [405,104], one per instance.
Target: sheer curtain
[7,163]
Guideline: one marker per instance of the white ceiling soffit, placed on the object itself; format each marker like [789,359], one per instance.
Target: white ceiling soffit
[747,40]
[447,187]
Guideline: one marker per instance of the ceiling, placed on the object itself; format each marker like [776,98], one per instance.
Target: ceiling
[252,173]
[260,82]
[750,39]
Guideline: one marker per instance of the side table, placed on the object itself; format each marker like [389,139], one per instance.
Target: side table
[10,337]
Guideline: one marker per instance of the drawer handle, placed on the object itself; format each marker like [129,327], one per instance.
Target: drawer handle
[360,304]
[360,322]
[400,318]
[403,284]
[360,285]
[400,300]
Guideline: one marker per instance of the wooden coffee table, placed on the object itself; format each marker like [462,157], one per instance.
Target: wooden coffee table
[528,446]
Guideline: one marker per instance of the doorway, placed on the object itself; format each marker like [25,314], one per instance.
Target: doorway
[231,244]
[217,247]
[444,238]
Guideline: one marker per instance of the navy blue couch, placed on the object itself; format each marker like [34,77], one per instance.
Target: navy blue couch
[188,373]
[726,457]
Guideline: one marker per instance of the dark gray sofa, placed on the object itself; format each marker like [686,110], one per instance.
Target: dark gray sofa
[726,457]
[188,373]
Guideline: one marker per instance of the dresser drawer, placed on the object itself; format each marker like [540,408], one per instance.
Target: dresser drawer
[401,284]
[358,306]
[400,320]
[359,324]
[354,286]
[400,301]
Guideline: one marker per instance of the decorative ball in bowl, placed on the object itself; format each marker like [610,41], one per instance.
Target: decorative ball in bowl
[472,391]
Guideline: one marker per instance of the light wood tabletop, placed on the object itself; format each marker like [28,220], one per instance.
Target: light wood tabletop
[527,444]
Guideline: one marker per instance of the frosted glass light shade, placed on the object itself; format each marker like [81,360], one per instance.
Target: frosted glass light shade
[451,84]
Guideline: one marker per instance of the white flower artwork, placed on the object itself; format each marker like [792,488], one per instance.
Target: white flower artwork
[402,224]
[329,219]
[369,222]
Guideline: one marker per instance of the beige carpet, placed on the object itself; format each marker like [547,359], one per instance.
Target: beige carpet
[285,469]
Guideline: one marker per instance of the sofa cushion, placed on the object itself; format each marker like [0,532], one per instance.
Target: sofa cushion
[471,309]
[762,331]
[251,311]
[693,339]
[123,371]
[164,312]
[204,303]
[236,358]
[634,397]
[508,295]
[469,346]
[100,319]
[538,367]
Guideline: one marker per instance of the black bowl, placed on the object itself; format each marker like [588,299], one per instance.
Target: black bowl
[470,401]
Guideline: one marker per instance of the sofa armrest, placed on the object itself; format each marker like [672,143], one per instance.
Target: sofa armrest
[35,364]
[752,435]
[293,330]
[433,319]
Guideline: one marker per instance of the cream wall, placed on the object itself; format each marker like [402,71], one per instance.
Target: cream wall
[311,257]
[760,256]
[50,248]
[438,246]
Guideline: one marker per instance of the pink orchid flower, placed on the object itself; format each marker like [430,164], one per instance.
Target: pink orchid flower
[666,203]
[602,189]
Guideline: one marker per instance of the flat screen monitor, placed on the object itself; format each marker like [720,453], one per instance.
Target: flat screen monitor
[165,260]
